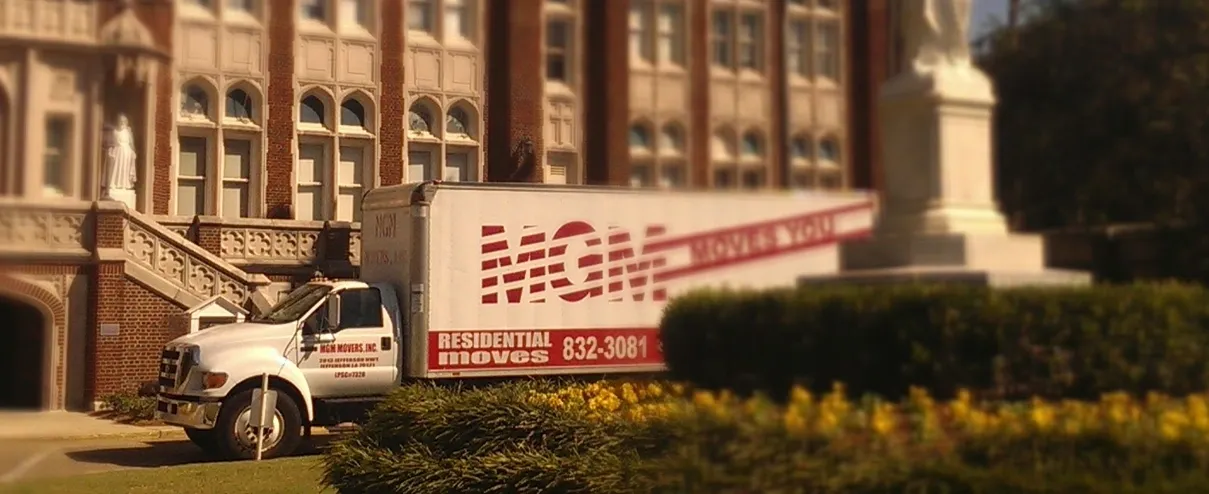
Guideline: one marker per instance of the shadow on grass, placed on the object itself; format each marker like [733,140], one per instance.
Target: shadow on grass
[169,453]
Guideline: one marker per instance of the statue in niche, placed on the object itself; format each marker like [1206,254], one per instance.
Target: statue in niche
[121,173]
[935,34]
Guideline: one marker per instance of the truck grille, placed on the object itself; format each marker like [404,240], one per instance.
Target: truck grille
[170,374]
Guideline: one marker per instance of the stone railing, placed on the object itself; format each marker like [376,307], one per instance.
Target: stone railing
[59,229]
[261,244]
[184,263]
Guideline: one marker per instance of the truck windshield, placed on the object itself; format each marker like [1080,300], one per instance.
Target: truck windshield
[295,305]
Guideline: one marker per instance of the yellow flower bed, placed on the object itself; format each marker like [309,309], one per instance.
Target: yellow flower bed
[920,418]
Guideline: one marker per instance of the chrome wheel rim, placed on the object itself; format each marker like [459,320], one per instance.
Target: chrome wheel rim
[246,434]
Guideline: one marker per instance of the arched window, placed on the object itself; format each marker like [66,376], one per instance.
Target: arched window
[456,122]
[640,137]
[800,148]
[419,119]
[312,111]
[239,105]
[722,147]
[671,138]
[352,114]
[829,150]
[752,145]
[195,102]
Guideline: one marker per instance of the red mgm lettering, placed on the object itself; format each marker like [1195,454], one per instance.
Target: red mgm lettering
[540,268]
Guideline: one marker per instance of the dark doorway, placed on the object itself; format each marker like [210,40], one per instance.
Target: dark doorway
[21,358]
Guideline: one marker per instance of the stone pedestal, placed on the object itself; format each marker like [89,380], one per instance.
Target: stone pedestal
[939,220]
[124,196]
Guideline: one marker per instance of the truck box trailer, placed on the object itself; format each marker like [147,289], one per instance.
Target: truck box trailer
[470,280]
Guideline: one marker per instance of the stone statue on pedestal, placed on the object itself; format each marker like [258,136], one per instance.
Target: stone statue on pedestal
[121,171]
[935,33]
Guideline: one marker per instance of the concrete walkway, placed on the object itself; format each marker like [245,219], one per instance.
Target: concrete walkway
[59,425]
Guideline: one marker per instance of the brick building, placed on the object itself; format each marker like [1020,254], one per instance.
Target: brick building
[259,123]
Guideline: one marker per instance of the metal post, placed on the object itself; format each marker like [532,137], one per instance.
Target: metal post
[264,395]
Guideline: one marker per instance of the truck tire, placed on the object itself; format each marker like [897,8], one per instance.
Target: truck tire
[205,439]
[236,440]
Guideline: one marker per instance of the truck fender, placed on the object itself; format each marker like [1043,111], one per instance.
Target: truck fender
[284,373]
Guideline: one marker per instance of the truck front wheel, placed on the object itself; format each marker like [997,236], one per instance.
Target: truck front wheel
[236,438]
[206,440]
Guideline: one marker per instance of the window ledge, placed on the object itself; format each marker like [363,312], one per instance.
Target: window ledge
[196,122]
[751,75]
[824,82]
[721,72]
[353,131]
[559,88]
[460,139]
[416,37]
[239,18]
[193,12]
[314,26]
[459,43]
[423,136]
[827,165]
[241,123]
[672,68]
[314,131]
[357,32]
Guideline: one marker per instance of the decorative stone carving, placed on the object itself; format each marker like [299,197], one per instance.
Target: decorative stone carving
[256,244]
[137,55]
[176,264]
[39,231]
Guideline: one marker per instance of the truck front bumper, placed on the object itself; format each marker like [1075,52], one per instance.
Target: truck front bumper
[186,411]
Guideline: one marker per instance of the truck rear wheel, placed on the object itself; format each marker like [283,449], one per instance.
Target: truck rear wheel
[236,438]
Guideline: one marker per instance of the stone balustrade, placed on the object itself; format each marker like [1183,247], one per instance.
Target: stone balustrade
[265,244]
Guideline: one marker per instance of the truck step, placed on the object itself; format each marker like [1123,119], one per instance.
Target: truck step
[343,428]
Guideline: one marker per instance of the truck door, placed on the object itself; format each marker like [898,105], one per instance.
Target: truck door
[359,357]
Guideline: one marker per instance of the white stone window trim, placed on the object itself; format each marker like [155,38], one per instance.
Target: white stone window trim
[334,136]
[734,42]
[216,128]
[658,156]
[440,140]
[564,92]
[333,21]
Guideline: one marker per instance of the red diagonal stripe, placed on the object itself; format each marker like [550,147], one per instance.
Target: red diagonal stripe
[673,242]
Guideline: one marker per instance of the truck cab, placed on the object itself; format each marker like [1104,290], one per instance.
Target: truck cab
[330,349]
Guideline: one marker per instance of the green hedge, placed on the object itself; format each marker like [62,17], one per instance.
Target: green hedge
[433,440]
[1052,342]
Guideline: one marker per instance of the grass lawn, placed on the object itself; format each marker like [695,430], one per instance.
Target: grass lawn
[284,476]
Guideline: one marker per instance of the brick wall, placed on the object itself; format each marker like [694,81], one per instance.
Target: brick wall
[699,157]
[394,111]
[515,83]
[867,24]
[132,357]
[606,92]
[279,162]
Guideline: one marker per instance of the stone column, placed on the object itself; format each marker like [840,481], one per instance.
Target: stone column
[939,220]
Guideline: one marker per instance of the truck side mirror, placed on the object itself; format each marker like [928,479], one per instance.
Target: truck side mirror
[333,313]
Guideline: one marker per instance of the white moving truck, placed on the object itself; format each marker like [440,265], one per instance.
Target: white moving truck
[491,280]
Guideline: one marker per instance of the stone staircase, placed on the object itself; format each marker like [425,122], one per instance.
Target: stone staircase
[187,260]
